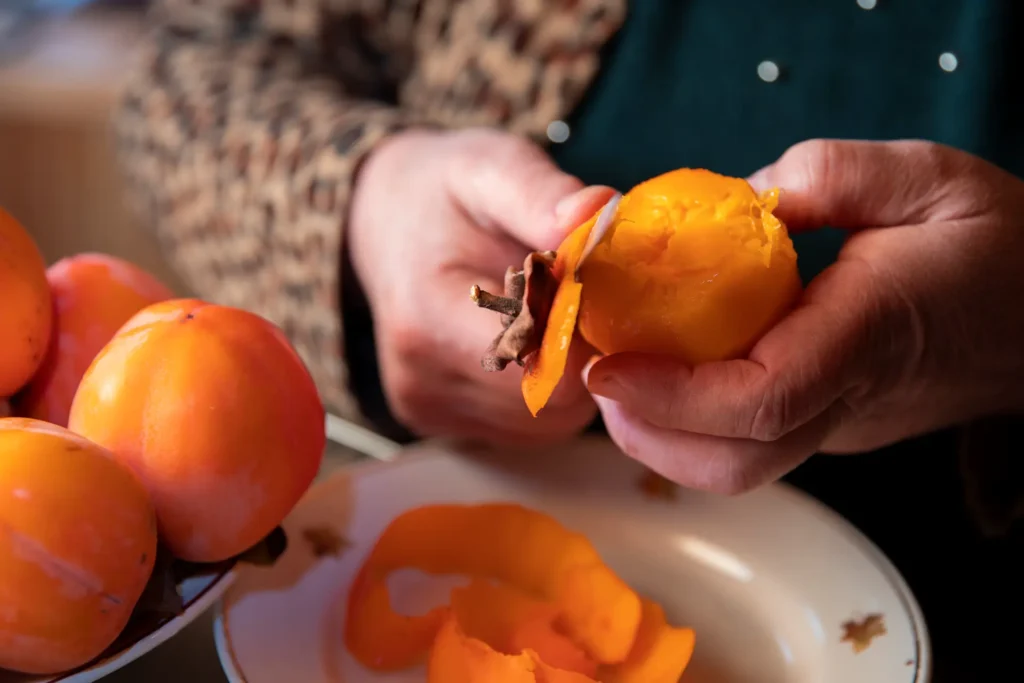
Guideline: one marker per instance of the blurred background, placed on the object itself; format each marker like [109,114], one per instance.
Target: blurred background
[62,63]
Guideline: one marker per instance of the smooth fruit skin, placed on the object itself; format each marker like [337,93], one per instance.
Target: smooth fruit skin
[78,540]
[696,266]
[215,412]
[93,296]
[26,312]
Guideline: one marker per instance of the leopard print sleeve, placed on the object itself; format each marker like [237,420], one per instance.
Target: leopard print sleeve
[241,133]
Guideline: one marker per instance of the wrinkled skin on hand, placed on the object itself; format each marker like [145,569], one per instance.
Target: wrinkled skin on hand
[917,327]
[433,214]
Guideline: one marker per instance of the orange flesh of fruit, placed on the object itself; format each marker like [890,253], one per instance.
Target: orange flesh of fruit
[695,266]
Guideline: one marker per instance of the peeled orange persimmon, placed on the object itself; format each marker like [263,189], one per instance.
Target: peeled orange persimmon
[691,264]
[26,313]
[215,412]
[93,296]
[694,265]
[78,540]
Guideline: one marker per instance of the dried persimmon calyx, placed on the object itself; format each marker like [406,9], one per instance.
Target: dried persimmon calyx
[524,307]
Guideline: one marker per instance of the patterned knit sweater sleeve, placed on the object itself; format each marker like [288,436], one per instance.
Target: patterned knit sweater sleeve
[241,133]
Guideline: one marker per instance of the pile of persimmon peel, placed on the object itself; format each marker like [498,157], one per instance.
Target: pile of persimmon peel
[540,605]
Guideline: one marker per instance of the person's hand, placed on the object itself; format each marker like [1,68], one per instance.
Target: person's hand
[434,214]
[918,326]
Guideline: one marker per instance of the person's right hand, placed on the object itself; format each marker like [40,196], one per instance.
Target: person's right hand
[433,214]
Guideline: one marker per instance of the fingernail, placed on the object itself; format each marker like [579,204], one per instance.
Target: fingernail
[603,384]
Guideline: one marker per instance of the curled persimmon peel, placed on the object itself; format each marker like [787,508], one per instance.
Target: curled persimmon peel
[695,265]
[501,541]
[465,653]
[660,654]
[544,369]
[459,658]
[540,606]
[512,621]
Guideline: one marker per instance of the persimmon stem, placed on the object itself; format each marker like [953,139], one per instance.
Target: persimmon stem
[524,309]
[492,302]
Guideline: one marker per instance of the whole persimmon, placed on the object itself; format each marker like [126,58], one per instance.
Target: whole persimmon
[691,264]
[78,539]
[215,412]
[93,296]
[26,312]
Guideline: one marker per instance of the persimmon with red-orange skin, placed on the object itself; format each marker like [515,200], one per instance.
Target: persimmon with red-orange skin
[78,540]
[217,414]
[26,311]
[93,296]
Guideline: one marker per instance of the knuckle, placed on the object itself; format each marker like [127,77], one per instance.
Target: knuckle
[951,183]
[476,154]
[815,162]
[929,155]
[770,420]
[931,162]
[475,136]
[406,338]
[404,399]
[525,162]
[516,150]
[403,348]
[411,404]
[672,411]
[677,408]
[485,149]
[466,163]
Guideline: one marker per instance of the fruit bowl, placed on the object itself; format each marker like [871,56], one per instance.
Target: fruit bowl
[128,494]
[198,592]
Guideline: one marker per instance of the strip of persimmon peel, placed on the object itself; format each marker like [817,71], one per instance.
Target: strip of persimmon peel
[545,368]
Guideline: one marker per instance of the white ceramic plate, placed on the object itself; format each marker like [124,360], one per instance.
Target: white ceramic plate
[767,579]
[198,595]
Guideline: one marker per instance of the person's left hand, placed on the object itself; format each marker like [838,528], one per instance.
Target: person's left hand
[918,326]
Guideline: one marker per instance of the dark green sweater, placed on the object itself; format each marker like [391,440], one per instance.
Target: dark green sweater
[680,87]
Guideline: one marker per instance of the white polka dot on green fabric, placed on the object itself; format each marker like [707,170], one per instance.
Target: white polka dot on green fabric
[768,71]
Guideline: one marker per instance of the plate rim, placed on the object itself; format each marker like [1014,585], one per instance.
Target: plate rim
[918,624]
[208,597]
[922,672]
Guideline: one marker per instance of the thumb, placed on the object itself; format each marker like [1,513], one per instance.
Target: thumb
[843,332]
[792,376]
[857,184]
[509,185]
